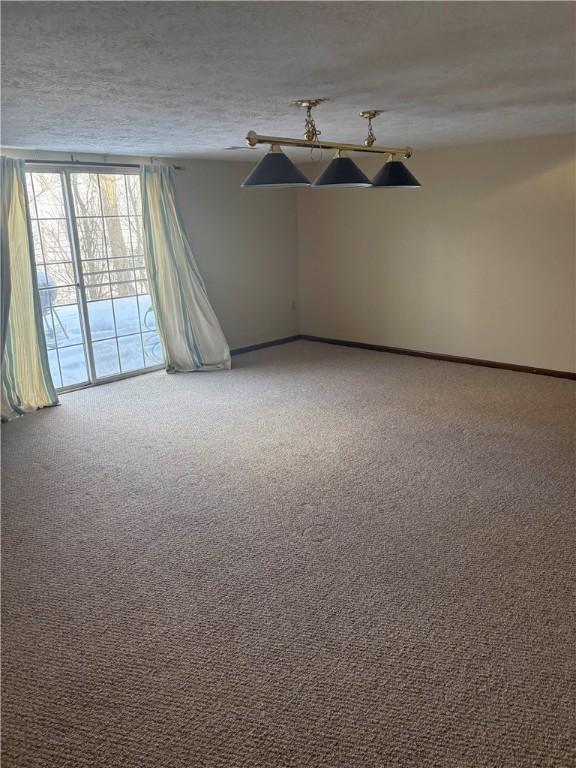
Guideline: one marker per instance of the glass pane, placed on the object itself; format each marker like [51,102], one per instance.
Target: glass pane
[48,322]
[48,196]
[121,272]
[65,322]
[73,365]
[137,235]
[123,283]
[36,243]
[91,238]
[98,292]
[58,296]
[44,281]
[142,286]
[113,189]
[55,241]
[134,197]
[101,319]
[106,358]
[94,267]
[147,318]
[122,275]
[54,368]
[123,289]
[122,262]
[56,274]
[126,312]
[153,353]
[131,358]
[31,200]
[86,194]
[94,279]
[118,238]
[96,276]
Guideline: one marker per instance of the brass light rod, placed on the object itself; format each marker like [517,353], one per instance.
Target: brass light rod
[253,139]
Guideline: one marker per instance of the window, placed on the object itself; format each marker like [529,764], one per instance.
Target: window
[88,248]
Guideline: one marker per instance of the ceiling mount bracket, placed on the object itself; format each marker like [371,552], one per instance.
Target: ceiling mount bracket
[311,132]
[308,103]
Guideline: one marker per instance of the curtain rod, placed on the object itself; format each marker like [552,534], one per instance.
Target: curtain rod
[92,163]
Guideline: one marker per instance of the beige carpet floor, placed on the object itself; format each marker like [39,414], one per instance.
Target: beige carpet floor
[325,557]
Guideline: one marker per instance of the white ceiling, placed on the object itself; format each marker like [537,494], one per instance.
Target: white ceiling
[191,78]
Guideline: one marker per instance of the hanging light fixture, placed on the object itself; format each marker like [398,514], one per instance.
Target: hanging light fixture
[342,172]
[277,171]
[395,175]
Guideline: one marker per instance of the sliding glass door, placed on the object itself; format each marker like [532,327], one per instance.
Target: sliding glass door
[88,248]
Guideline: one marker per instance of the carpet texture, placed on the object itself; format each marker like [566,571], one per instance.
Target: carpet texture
[325,557]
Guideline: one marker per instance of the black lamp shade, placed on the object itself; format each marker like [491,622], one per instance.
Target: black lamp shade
[276,170]
[342,172]
[395,174]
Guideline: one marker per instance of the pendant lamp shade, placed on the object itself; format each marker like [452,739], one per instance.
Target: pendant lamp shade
[395,174]
[276,170]
[342,172]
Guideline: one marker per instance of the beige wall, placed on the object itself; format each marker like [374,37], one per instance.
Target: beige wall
[245,242]
[480,262]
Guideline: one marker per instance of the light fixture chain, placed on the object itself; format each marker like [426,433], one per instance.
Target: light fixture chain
[370,140]
[311,132]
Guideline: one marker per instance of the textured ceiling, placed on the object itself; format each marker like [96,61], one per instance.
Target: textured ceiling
[189,78]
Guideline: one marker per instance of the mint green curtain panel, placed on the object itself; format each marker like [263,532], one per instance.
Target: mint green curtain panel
[189,329]
[26,381]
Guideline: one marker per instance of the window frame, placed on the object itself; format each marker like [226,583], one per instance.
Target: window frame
[65,171]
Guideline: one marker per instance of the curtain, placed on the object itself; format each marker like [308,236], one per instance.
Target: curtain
[6,193]
[26,380]
[189,329]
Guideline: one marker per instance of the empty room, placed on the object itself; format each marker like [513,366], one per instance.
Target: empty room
[288,384]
